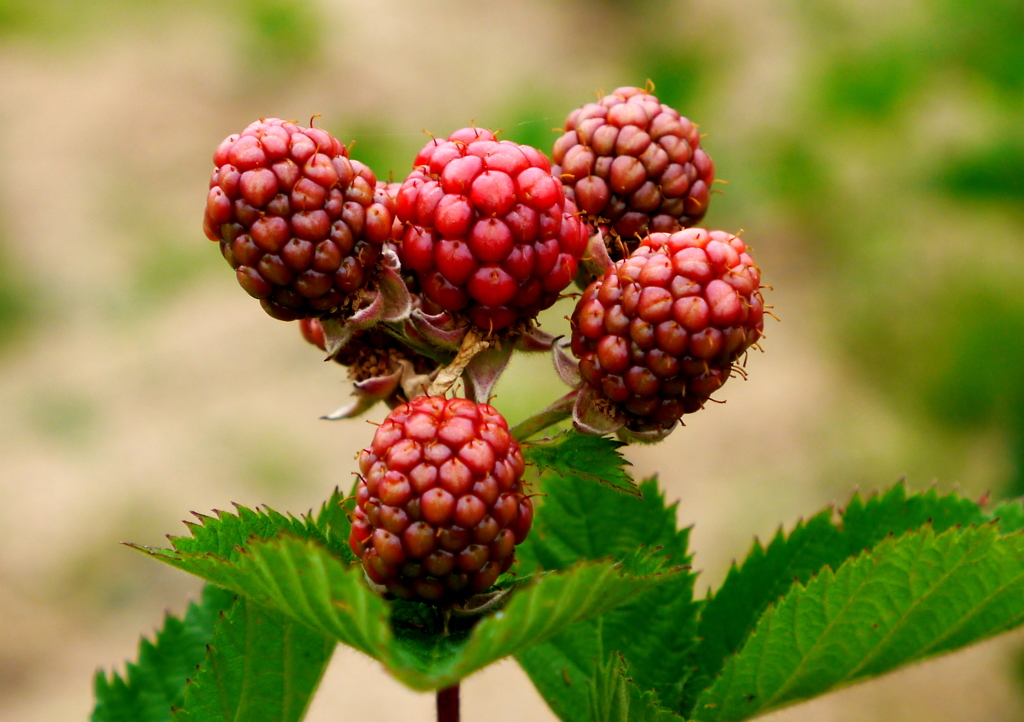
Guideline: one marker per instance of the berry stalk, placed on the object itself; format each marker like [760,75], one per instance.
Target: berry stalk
[558,411]
[448,704]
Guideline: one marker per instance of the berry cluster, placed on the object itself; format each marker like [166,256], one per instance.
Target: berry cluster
[440,505]
[659,333]
[489,232]
[297,220]
[634,163]
[486,233]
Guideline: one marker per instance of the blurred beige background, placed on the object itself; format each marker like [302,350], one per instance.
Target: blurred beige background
[873,153]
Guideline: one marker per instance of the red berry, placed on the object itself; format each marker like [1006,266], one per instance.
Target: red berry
[440,503]
[488,230]
[300,222]
[660,331]
[634,163]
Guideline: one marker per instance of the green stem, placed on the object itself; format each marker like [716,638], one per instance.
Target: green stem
[448,704]
[558,411]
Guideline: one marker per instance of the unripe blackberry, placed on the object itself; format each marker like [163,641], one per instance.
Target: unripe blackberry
[633,163]
[660,331]
[295,218]
[440,505]
[488,230]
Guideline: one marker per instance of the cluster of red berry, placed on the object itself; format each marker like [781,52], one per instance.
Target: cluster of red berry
[484,234]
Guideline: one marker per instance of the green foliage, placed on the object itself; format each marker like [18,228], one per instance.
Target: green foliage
[281,33]
[613,697]
[605,625]
[579,518]
[18,299]
[260,666]
[871,83]
[156,683]
[582,457]
[907,599]
[970,379]
[679,72]
[995,172]
[226,535]
[767,574]
[296,573]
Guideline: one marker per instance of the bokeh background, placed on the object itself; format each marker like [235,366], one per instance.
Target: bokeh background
[874,153]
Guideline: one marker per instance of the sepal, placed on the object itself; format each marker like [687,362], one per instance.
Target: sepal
[592,414]
[388,302]
[567,367]
[485,368]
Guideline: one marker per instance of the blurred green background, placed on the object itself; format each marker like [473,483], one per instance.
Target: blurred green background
[874,154]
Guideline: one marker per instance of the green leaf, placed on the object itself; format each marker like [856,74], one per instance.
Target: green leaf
[156,682]
[582,456]
[303,579]
[226,534]
[655,632]
[767,574]
[613,697]
[1010,516]
[907,599]
[261,666]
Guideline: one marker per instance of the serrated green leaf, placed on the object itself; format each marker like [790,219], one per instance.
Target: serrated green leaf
[907,599]
[613,697]
[226,534]
[151,686]
[260,666]
[595,459]
[304,580]
[1010,516]
[655,632]
[730,615]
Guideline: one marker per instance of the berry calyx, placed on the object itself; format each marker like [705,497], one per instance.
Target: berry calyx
[489,233]
[659,333]
[440,505]
[634,166]
[295,217]
[370,354]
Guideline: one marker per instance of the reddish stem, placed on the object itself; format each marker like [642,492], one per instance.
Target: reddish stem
[448,704]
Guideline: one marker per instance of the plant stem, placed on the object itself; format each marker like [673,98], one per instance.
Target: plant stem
[558,411]
[448,704]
